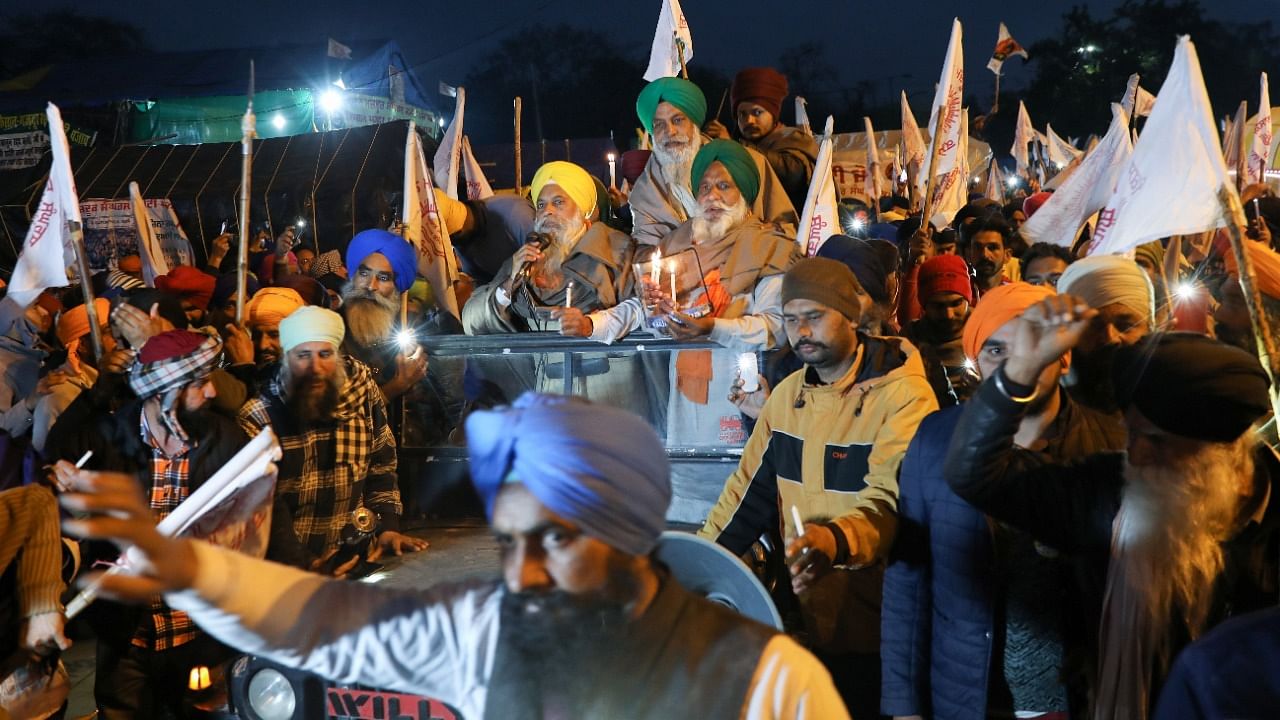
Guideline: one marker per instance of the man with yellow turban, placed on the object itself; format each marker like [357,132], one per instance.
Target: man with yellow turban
[578,265]
[672,110]
[956,579]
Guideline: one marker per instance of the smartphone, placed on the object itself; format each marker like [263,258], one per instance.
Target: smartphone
[749,371]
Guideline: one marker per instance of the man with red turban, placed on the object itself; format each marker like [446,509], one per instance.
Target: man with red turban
[955,579]
[192,287]
[757,95]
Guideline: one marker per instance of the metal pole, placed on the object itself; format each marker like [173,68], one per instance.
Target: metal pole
[1267,354]
[86,287]
[519,177]
[248,128]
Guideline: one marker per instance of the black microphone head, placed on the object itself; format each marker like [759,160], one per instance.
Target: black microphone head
[541,239]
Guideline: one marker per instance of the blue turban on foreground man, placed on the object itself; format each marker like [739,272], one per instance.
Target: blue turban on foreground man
[601,467]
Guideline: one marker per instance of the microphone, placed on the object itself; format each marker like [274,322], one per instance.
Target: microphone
[543,241]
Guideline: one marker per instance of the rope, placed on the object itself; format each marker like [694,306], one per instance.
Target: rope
[360,173]
[207,180]
[146,190]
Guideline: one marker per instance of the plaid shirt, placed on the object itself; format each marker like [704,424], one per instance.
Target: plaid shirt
[327,471]
[168,628]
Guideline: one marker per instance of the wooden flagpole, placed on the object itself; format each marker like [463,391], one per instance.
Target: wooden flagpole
[684,71]
[248,129]
[86,287]
[1266,342]
[519,176]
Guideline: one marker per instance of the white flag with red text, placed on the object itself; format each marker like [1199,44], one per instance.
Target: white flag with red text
[150,251]
[478,187]
[945,131]
[1086,191]
[449,152]
[875,171]
[47,251]
[670,39]
[1255,166]
[423,227]
[1170,184]
[913,146]
[821,217]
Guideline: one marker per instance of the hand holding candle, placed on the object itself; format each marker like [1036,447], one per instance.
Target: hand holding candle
[671,270]
[568,295]
[613,181]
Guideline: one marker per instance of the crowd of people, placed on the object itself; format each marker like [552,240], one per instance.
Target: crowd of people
[999,480]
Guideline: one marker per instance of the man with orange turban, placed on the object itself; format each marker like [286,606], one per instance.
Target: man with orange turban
[956,580]
[1231,322]
[264,312]
[80,371]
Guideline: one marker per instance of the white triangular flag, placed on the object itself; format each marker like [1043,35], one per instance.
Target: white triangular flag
[945,128]
[995,183]
[1170,184]
[1023,134]
[47,251]
[478,187]
[1060,152]
[875,172]
[913,146]
[1086,191]
[423,227]
[1231,150]
[670,38]
[802,116]
[1255,166]
[821,217]
[449,152]
[952,192]
[1137,102]
[150,251]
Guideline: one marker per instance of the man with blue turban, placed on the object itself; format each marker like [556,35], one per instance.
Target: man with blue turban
[577,264]
[381,265]
[583,623]
[672,110]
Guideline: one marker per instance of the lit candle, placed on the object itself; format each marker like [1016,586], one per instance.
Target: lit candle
[568,295]
[613,181]
[655,267]
[671,269]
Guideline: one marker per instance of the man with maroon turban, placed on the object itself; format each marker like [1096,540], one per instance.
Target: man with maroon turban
[757,95]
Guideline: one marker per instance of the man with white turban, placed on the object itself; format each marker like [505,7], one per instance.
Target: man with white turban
[583,623]
[339,451]
[585,266]
[1121,292]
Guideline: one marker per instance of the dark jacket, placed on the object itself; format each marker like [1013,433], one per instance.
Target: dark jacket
[1071,507]
[1229,673]
[941,589]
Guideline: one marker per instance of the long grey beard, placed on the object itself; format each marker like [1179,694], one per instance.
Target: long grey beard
[566,234]
[708,231]
[677,169]
[1166,553]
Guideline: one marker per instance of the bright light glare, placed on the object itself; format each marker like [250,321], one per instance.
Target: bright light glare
[331,101]
[1185,291]
[1059,165]
[970,366]
[300,223]
[406,340]
[278,121]
[1012,181]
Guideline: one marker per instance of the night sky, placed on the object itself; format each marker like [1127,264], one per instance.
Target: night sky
[867,39]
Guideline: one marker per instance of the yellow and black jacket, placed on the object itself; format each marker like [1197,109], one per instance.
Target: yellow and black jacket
[832,451]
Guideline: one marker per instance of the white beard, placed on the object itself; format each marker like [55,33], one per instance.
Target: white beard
[706,231]
[1166,554]
[566,233]
[677,167]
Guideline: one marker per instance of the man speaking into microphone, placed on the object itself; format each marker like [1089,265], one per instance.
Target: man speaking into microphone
[572,264]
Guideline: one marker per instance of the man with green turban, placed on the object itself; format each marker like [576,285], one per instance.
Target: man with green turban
[673,110]
[531,290]
[736,301]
